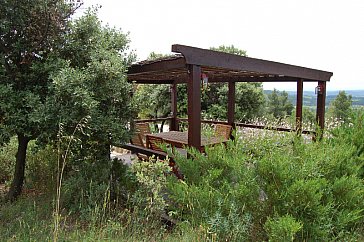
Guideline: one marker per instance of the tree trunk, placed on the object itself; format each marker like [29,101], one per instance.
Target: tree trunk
[18,180]
[162,124]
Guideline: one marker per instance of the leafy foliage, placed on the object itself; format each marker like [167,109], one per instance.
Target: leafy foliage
[149,198]
[288,188]
[154,101]
[278,104]
[282,228]
[249,101]
[56,72]
[216,191]
[94,85]
[7,160]
[341,106]
[30,33]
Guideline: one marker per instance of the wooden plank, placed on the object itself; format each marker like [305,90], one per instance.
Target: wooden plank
[203,57]
[180,139]
[144,79]
[174,123]
[235,78]
[152,120]
[178,63]
[231,103]
[145,151]
[150,81]
[194,106]
[320,109]
[299,103]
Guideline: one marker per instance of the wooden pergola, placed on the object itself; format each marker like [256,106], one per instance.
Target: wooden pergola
[190,65]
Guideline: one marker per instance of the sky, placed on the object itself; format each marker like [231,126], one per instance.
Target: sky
[319,34]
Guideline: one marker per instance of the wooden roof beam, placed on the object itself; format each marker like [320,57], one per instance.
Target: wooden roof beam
[160,66]
[203,57]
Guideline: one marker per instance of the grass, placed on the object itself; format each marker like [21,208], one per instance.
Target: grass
[30,219]
[27,219]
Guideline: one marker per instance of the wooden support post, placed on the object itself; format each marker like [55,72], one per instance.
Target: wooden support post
[299,103]
[320,111]
[231,104]
[194,106]
[174,123]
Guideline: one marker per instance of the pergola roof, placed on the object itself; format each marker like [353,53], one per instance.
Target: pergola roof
[219,67]
[192,64]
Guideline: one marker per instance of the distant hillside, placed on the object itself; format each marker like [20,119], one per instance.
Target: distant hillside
[309,97]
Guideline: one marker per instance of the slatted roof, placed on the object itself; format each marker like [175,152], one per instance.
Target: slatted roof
[219,67]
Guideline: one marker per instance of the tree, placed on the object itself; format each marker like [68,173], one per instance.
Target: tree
[55,71]
[154,101]
[94,84]
[249,97]
[249,101]
[279,105]
[341,106]
[30,31]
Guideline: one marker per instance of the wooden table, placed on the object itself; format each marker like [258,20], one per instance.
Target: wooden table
[180,139]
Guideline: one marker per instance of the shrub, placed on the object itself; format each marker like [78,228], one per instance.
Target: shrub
[219,191]
[150,195]
[282,228]
[352,133]
[283,183]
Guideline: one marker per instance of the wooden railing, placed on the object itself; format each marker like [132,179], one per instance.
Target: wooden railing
[254,126]
[152,120]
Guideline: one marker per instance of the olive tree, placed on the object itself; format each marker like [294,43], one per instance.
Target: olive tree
[93,84]
[58,71]
[30,32]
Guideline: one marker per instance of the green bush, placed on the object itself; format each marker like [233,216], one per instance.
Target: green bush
[286,186]
[282,229]
[270,186]
[150,195]
[219,191]
[352,133]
